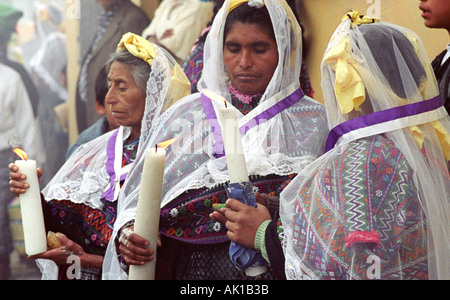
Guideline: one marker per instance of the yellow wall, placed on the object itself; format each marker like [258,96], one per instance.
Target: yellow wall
[321,17]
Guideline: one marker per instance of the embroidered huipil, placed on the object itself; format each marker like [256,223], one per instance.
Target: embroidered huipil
[84,224]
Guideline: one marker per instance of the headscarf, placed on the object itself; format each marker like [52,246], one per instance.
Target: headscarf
[385,175]
[281,144]
[138,46]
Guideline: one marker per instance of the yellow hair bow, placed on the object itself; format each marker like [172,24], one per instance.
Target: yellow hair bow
[138,46]
[349,86]
[359,19]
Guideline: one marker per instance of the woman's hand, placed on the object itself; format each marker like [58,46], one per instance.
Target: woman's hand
[61,254]
[16,184]
[135,249]
[242,221]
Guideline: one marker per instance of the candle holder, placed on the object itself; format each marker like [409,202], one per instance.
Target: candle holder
[245,259]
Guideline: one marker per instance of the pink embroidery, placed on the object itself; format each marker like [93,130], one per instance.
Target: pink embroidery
[247,99]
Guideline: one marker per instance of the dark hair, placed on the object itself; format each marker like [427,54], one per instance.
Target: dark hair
[383,44]
[250,15]
[101,86]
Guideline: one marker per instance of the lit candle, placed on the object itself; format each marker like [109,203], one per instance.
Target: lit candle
[146,223]
[31,207]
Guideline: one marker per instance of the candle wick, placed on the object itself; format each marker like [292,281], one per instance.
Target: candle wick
[226,106]
[156,148]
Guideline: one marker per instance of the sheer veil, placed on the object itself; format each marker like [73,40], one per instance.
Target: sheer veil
[368,69]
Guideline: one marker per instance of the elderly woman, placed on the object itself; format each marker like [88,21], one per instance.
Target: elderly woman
[253,61]
[81,200]
[376,205]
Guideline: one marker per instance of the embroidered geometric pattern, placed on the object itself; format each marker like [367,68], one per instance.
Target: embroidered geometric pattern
[188,219]
[359,212]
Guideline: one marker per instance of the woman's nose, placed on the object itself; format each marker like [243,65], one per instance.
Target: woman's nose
[245,59]
[110,97]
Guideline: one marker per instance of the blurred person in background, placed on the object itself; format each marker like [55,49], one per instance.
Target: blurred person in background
[117,18]
[178,23]
[105,123]
[47,67]
[18,126]
[9,17]
[436,14]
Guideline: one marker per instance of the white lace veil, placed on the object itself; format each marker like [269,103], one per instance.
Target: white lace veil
[369,68]
[84,178]
[282,145]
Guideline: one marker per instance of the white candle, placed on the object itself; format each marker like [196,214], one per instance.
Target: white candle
[237,168]
[31,209]
[148,209]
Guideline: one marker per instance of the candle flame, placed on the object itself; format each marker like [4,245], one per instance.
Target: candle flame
[22,154]
[165,144]
[214,97]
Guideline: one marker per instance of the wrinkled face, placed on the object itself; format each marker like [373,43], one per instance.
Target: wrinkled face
[250,56]
[126,101]
[436,13]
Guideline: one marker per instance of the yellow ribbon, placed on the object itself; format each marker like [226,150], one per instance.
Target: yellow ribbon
[236,3]
[444,138]
[138,46]
[359,19]
[349,86]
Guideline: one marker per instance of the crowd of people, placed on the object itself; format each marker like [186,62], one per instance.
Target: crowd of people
[355,188]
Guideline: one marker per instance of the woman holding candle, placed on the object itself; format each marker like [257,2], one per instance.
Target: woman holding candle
[81,200]
[376,205]
[253,61]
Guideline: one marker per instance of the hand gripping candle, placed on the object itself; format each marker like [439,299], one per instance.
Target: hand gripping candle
[240,187]
[31,207]
[146,224]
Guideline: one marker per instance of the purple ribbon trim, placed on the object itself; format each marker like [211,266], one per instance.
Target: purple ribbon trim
[381,117]
[111,153]
[271,112]
[208,107]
